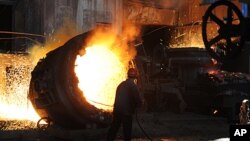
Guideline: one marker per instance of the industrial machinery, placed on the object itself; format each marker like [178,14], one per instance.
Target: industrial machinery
[54,92]
[171,78]
[231,36]
[230,48]
[213,80]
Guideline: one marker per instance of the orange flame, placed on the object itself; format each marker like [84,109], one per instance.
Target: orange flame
[104,66]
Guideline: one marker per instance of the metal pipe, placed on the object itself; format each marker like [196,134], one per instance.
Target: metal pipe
[21,33]
[21,38]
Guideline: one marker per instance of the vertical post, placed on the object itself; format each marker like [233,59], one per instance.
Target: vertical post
[118,16]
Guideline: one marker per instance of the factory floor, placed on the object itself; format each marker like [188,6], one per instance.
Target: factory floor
[165,126]
[181,127]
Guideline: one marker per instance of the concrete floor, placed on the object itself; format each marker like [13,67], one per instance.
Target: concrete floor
[165,126]
[180,127]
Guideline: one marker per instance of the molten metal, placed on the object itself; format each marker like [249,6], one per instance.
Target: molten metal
[99,72]
[74,85]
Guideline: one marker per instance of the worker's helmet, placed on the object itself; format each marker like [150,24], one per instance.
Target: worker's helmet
[132,73]
[245,102]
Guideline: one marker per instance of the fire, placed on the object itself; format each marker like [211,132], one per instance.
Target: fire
[213,72]
[103,66]
[15,78]
[14,86]
[188,37]
[18,111]
[99,72]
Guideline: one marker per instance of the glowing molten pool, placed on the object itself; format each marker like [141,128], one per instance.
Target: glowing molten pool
[99,72]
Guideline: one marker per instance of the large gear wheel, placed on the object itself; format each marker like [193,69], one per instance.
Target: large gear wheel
[229,41]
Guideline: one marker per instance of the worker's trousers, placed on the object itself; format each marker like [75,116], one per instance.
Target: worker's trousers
[118,120]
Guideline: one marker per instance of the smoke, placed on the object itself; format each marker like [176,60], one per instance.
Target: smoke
[121,44]
[69,29]
[53,41]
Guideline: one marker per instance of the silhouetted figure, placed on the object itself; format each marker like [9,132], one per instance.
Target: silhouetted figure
[127,99]
[244,112]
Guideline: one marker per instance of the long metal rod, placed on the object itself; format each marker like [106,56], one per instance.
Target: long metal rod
[21,33]
[20,38]
[101,103]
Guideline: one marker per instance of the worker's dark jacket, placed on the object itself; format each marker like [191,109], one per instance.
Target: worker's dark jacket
[127,98]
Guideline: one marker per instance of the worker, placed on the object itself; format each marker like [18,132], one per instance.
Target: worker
[244,112]
[127,99]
